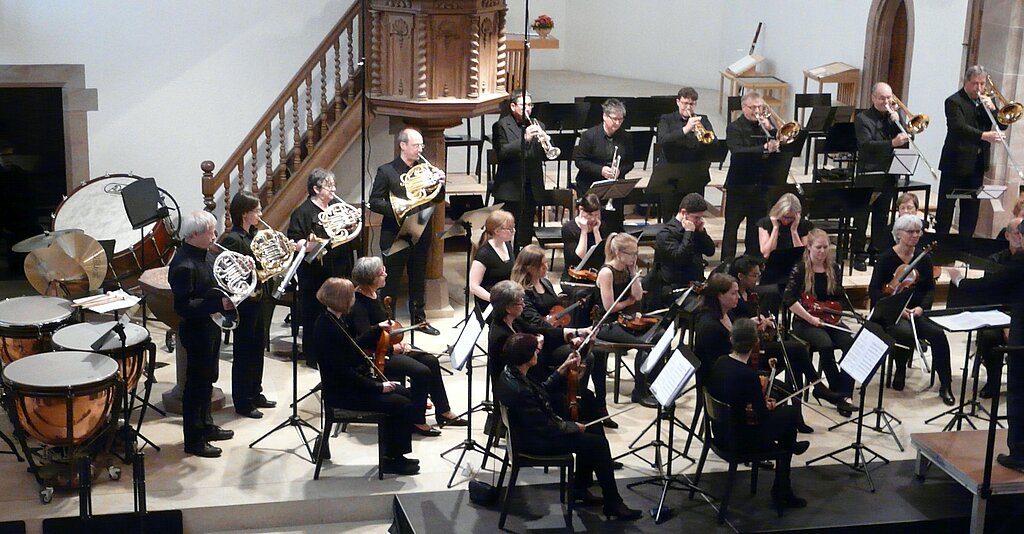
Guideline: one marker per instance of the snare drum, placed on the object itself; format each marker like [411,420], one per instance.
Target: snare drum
[26,324]
[62,398]
[96,208]
[130,360]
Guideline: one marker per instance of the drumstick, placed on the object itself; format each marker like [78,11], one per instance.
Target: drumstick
[609,416]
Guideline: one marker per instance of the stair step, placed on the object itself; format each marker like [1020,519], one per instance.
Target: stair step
[353,527]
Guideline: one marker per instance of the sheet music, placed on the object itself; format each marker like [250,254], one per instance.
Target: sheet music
[464,346]
[659,349]
[672,379]
[972,320]
[864,355]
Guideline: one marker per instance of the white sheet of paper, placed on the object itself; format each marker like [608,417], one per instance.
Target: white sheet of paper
[972,320]
[672,379]
[659,349]
[464,346]
[864,355]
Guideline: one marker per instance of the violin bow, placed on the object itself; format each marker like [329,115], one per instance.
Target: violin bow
[366,356]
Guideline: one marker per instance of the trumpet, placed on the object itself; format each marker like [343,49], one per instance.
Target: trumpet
[422,183]
[616,160]
[550,151]
[236,278]
[1009,113]
[915,124]
[704,136]
[786,133]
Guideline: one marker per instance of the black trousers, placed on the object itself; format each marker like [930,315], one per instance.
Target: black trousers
[825,341]
[1015,405]
[903,333]
[201,340]
[247,356]
[592,455]
[424,374]
[413,260]
[309,310]
[781,428]
[969,209]
[396,431]
[524,212]
[740,204]
[988,340]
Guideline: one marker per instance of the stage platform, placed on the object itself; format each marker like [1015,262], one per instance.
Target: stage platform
[962,456]
[839,501]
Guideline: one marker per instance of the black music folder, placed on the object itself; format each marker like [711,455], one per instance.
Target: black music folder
[750,171]
[677,177]
[780,264]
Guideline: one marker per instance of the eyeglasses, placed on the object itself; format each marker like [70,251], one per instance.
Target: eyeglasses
[512,229]
[416,145]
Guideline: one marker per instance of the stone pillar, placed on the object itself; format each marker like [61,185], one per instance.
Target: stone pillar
[172,397]
[1000,51]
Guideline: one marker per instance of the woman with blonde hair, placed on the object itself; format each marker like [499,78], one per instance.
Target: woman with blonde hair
[783,227]
[492,262]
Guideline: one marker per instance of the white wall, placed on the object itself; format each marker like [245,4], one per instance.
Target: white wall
[178,82]
[515,20]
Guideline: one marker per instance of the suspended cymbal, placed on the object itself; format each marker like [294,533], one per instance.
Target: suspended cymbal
[42,240]
[46,266]
[87,253]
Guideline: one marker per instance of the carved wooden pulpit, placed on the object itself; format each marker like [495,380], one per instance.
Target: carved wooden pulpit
[432,64]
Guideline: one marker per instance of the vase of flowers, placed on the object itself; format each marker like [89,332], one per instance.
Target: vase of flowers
[542,25]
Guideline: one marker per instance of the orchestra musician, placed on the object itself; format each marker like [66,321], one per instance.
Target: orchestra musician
[195,298]
[541,430]
[746,135]
[784,227]
[336,261]
[821,278]
[679,251]
[413,259]
[581,233]
[423,370]
[613,278]
[877,136]
[1004,286]
[351,381]
[734,382]
[595,157]
[516,142]
[492,262]
[907,232]
[967,150]
[248,337]
[677,139]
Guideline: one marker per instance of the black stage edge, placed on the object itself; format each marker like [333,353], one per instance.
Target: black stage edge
[158,522]
[12,527]
[839,502]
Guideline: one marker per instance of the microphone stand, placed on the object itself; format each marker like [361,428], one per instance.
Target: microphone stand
[523,145]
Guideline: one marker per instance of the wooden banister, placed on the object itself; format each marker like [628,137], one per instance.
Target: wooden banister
[302,115]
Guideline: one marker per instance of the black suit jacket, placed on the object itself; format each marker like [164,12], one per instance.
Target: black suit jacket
[507,137]
[675,146]
[595,151]
[1005,286]
[875,133]
[385,183]
[965,122]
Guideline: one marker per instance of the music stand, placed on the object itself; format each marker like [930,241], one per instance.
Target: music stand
[835,201]
[143,205]
[612,189]
[870,347]
[780,264]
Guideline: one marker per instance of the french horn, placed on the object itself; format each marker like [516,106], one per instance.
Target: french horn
[341,221]
[422,184]
[236,278]
[273,251]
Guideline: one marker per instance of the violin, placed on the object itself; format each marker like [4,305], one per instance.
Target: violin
[828,311]
[559,316]
[905,276]
[637,322]
[586,275]
[574,377]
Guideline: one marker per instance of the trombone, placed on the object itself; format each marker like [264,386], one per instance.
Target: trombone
[786,133]
[915,124]
[1009,113]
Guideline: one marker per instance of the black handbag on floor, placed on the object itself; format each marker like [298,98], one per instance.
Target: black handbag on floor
[483,493]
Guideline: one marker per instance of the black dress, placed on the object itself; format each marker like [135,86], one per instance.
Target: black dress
[823,340]
[495,268]
[785,233]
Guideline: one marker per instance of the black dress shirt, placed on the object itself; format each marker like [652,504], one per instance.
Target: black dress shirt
[595,152]
[875,132]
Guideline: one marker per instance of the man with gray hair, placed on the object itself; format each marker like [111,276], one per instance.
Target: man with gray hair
[595,158]
[966,152]
[195,298]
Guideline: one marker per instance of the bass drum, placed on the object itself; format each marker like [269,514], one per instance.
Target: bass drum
[96,208]
[62,398]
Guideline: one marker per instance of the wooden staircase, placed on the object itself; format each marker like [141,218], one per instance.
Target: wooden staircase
[312,123]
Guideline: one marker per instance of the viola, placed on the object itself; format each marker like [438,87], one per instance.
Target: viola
[829,311]
[586,275]
[905,276]
[559,316]
[574,377]
[637,322]
[394,332]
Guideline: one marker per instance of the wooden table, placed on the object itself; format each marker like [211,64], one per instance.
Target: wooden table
[515,56]
[773,89]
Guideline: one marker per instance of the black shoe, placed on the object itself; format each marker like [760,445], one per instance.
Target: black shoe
[647,401]
[609,423]
[443,421]
[804,428]
[621,512]
[616,465]
[788,500]
[801,447]
[263,402]
[219,434]
[899,379]
[583,497]
[986,392]
[402,460]
[860,262]
[251,413]
[822,393]
[205,450]
[946,394]
[844,408]
[1011,462]
[428,433]
[399,467]
[312,364]
[430,330]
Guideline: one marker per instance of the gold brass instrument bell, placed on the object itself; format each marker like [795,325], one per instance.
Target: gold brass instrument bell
[786,133]
[1009,111]
[915,123]
[704,136]
[422,184]
[273,251]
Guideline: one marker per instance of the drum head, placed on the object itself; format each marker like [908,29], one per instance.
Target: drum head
[62,369]
[96,207]
[81,336]
[35,310]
